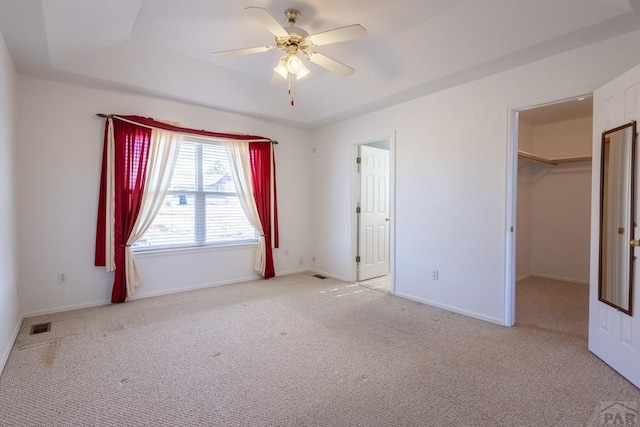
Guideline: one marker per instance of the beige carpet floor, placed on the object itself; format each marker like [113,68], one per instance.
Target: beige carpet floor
[382,283]
[301,351]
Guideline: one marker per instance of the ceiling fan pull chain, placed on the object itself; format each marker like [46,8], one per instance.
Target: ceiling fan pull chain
[290,94]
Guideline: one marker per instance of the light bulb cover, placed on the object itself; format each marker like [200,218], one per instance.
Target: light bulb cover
[303,71]
[281,68]
[294,64]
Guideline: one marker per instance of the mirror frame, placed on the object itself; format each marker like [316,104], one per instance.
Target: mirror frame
[631,208]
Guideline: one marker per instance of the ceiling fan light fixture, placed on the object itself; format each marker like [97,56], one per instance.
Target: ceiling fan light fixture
[294,64]
[303,71]
[291,65]
[294,40]
[281,68]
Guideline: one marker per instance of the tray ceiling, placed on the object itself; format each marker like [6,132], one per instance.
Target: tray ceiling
[413,47]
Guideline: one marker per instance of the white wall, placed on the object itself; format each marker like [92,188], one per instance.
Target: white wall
[58,164]
[561,202]
[451,179]
[523,227]
[9,305]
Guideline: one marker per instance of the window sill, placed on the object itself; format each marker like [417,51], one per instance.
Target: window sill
[148,253]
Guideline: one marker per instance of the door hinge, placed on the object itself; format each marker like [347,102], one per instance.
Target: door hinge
[358,258]
[358,160]
[358,209]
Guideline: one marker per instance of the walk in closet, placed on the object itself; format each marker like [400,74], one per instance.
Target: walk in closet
[554,193]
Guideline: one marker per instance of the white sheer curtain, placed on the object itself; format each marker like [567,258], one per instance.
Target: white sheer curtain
[238,153]
[163,152]
[109,253]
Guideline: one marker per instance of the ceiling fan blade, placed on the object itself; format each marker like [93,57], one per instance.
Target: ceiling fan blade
[266,19]
[342,34]
[330,64]
[245,51]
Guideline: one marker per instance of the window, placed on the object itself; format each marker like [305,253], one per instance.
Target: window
[202,206]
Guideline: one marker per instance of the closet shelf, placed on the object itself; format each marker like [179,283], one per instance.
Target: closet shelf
[554,162]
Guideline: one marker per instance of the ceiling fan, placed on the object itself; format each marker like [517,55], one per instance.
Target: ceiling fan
[293,40]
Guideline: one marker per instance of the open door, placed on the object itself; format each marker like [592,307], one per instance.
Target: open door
[614,335]
[373,219]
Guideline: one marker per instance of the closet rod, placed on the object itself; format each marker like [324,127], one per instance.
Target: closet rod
[573,159]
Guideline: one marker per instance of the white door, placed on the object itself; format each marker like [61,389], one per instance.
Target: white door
[614,336]
[373,240]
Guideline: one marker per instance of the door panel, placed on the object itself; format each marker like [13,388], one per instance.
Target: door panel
[613,335]
[374,213]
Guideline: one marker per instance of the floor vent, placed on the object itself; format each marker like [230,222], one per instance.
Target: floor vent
[319,276]
[40,328]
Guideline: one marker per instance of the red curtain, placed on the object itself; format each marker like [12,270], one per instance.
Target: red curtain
[262,164]
[132,135]
[131,152]
[101,239]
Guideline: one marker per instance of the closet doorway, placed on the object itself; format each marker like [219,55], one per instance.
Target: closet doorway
[553,216]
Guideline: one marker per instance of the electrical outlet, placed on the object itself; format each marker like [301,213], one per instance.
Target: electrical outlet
[62,277]
[300,261]
[434,275]
[313,259]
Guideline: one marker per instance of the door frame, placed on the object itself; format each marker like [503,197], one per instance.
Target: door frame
[355,198]
[509,314]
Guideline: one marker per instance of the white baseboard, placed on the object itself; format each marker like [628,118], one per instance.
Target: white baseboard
[64,308]
[454,309]
[552,277]
[523,277]
[7,350]
[192,288]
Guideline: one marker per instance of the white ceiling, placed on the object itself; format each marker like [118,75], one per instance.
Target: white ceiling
[413,47]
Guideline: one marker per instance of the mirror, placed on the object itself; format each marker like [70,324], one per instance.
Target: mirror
[617,217]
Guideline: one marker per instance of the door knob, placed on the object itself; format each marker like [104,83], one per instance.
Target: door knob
[635,243]
[387,219]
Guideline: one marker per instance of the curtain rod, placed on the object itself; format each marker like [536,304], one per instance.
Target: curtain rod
[104,116]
